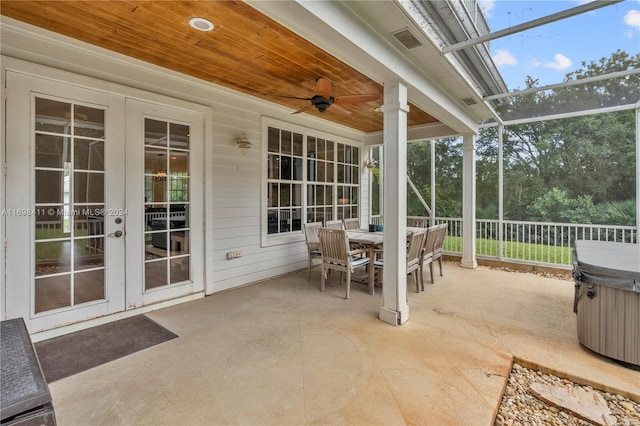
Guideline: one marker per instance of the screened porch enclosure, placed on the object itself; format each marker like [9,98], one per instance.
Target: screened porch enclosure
[541,185]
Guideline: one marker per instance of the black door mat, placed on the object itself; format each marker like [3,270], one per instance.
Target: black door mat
[73,353]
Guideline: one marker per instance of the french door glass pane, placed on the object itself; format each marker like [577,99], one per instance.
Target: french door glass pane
[179,270]
[52,151]
[50,186]
[50,222]
[178,136]
[88,122]
[86,256]
[88,187]
[52,116]
[52,257]
[155,274]
[52,293]
[153,161]
[155,132]
[88,154]
[88,286]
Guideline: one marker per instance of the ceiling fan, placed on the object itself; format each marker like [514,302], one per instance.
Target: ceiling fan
[323,100]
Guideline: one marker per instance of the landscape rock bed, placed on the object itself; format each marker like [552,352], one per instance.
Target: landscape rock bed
[520,407]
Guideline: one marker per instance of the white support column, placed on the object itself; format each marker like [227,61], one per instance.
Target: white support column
[500,192]
[394,309]
[432,215]
[469,201]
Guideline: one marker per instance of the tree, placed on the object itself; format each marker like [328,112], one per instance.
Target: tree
[448,177]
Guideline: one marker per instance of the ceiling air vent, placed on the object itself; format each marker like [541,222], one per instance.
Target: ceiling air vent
[407,39]
[469,101]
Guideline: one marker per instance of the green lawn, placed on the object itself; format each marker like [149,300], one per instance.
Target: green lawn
[514,250]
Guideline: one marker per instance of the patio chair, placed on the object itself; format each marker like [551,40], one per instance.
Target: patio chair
[437,248]
[336,255]
[334,224]
[415,244]
[415,222]
[313,243]
[352,223]
[427,252]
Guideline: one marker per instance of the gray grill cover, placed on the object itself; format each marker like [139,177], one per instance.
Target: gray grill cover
[22,384]
[609,264]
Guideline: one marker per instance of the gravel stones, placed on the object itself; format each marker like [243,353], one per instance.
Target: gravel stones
[520,407]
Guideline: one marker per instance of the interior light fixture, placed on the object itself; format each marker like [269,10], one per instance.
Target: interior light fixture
[160,173]
[201,24]
[244,144]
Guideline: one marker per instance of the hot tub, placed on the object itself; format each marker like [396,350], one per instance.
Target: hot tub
[607,298]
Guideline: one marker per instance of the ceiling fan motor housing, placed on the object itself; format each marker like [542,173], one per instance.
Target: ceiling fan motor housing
[322,103]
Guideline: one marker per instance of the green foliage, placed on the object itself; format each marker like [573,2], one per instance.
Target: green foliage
[621,213]
[557,206]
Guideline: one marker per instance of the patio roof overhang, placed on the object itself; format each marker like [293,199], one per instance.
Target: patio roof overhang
[291,44]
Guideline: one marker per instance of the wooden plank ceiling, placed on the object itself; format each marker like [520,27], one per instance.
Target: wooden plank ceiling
[247,51]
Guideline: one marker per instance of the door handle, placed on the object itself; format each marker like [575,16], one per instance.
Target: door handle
[116,234]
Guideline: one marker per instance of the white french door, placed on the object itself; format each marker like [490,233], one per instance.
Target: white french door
[79,240]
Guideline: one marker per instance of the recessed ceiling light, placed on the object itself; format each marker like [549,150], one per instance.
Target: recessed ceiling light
[201,24]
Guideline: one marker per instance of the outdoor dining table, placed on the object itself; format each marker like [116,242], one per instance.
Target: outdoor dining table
[372,241]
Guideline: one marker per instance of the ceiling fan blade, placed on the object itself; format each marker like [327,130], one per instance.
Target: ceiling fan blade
[292,97]
[302,109]
[340,109]
[323,87]
[356,99]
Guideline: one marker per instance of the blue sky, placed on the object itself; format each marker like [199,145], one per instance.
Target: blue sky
[553,50]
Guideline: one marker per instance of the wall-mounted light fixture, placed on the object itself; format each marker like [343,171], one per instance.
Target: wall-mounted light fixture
[369,164]
[244,144]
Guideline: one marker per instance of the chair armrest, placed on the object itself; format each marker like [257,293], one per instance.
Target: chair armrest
[357,251]
[375,253]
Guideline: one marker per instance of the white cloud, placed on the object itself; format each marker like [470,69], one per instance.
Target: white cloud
[534,63]
[503,57]
[560,62]
[487,7]
[632,19]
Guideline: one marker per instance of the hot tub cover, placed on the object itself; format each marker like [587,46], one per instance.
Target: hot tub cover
[607,263]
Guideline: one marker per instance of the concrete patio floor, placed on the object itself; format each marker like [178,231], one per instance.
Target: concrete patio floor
[282,352]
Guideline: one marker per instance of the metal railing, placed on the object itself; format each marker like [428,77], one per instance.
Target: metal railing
[545,243]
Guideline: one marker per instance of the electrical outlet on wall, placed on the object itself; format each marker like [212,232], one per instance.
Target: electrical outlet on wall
[234,254]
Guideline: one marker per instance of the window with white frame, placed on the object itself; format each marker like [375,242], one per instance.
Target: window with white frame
[324,187]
